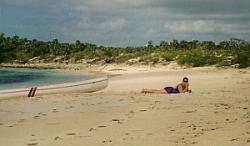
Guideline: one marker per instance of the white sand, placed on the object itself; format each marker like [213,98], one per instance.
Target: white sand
[217,113]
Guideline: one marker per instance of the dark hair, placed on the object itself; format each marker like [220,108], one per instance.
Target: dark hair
[185,79]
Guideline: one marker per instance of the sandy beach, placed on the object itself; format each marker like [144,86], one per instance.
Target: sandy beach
[216,113]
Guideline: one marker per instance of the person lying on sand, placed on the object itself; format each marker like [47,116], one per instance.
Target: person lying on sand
[180,88]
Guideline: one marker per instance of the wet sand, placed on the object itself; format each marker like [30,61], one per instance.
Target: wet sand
[217,113]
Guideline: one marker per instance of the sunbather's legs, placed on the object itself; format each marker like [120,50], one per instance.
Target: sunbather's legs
[161,91]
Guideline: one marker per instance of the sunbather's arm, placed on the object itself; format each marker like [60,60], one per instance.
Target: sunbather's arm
[186,89]
[181,90]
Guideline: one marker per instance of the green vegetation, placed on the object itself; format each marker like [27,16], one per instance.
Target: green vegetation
[192,53]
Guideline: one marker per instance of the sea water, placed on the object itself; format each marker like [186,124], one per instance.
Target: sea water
[12,78]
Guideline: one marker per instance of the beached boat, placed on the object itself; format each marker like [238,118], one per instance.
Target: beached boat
[85,86]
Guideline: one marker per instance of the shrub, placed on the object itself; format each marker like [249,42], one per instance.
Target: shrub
[198,57]
[170,55]
[243,55]
[150,59]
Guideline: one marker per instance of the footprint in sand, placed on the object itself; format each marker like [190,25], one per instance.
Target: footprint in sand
[192,111]
[36,117]
[58,138]
[1,124]
[43,114]
[55,110]
[71,134]
[157,102]
[92,129]
[149,133]
[69,107]
[143,110]
[126,133]
[152,106]
[117,120]
[20,120]
[248,141]
[102,126]
[13,125]
[122,99]
[31,144]
[106,141]
[235,139]
[130,114]
[132,97]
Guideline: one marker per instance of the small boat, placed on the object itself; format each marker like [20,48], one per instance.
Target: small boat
[84,86]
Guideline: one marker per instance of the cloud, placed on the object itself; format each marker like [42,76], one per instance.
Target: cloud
[202,26]
[108,4]
[27,3]
[19,2]
[205,6]
[192,26]
[114,24]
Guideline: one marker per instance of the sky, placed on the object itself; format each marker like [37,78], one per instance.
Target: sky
[126,22]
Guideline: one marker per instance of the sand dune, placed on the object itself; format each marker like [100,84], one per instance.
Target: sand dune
[217,113]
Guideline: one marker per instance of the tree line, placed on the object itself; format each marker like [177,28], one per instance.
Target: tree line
[193,53]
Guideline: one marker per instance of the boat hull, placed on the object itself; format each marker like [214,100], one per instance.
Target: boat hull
[85,86]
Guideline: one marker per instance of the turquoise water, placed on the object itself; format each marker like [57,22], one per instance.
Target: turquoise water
[11,78]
